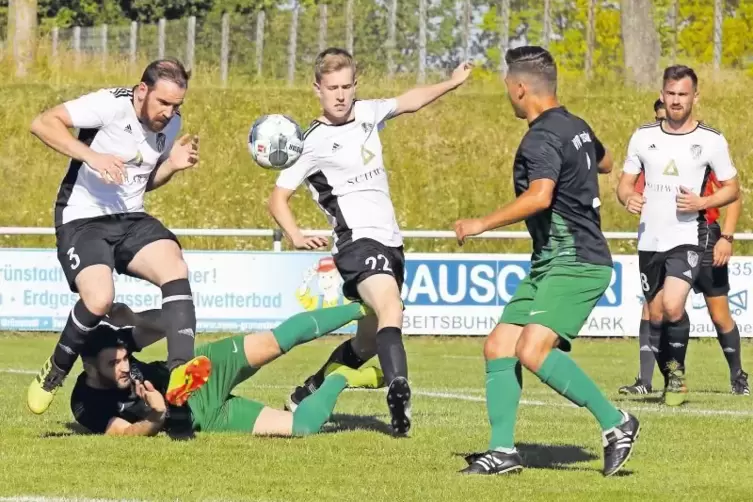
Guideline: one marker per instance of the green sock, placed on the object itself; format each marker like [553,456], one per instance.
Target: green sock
[307,326]
[561,373]
[503,387]
[314,411]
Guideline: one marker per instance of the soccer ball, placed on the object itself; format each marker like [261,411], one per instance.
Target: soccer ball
[275,141]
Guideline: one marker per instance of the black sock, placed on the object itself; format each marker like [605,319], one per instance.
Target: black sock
[80,323]
[730,343]
[646,354]
[675,343]
[179,316]
[343,354]
[391,354]
[655,332]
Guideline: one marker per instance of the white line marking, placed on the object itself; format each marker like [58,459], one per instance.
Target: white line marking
[33,498]
[459,394]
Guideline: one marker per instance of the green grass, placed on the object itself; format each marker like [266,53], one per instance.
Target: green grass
[696,452]
[451,160]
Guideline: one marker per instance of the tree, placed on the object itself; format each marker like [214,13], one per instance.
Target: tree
[23,34]
[640,43]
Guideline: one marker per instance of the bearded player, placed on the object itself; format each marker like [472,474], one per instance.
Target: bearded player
[677,157]
[712,282]
[127,144]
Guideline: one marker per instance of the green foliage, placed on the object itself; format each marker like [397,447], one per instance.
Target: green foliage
[448,161]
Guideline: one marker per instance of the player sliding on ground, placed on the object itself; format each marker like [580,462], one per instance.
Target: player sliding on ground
[119,395]
[557,188]
[342,166]
[126,146]
[676,156]
[712,281]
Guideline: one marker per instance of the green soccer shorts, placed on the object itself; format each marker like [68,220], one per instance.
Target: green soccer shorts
[560,297]
[213,406]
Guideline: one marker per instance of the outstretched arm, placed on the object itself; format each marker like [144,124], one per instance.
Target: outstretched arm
[419,97]
[537,198]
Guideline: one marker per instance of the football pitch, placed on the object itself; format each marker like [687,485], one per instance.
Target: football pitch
[700,451]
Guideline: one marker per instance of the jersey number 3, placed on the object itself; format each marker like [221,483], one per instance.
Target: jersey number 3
[75,260]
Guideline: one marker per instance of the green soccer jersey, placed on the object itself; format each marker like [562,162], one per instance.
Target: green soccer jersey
[562,147]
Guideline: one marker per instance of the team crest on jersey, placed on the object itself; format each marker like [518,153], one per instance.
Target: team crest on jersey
[692,259]
[367,127]
[160,142]
[696,151]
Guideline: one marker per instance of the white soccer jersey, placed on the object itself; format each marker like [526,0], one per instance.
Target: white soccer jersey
[342,166]
[668,162]
[107,122]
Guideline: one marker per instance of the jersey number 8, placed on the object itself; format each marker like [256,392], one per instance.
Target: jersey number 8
[644,283]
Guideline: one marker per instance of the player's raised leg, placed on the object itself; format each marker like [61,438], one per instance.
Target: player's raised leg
[161,263]
[728,335]
[96,289]
[353,353]
[214,409]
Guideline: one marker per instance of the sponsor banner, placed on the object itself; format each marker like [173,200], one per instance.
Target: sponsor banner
[444,294]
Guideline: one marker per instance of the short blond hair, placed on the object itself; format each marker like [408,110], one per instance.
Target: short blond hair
[332,60]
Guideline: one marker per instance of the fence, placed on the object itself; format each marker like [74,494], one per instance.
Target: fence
[417,36]
[444,293]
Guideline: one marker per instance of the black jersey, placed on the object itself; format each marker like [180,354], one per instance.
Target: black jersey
[562,147]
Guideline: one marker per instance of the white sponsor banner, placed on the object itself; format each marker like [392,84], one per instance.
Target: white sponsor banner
[444,294]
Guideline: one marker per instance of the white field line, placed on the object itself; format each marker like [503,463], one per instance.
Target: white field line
[462,395]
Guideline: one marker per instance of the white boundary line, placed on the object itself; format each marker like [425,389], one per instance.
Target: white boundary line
[35,498]
[460,395]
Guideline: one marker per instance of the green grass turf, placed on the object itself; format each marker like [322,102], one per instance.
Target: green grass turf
[698,452]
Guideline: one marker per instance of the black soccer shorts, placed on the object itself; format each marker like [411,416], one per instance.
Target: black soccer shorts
[111,240]
[363,258]
[682,262]
[712,281]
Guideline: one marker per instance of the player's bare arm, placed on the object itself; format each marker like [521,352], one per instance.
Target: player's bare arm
[688,201]
[53,126]
[150,426]
[183,155]
[606,164]
[723,248]
[626,194]
[419,97]
[279,208]
[537,198]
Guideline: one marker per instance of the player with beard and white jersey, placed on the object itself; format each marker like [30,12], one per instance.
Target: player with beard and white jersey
[343,167]
[677,157]
[126,146]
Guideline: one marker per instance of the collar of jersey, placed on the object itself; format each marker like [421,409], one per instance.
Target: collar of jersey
[679,133]
[560,109]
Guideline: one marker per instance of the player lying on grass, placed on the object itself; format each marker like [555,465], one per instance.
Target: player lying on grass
[120,395]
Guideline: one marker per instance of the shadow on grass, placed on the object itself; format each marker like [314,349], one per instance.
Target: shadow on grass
[74,429]
[557,457]
[343,422]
